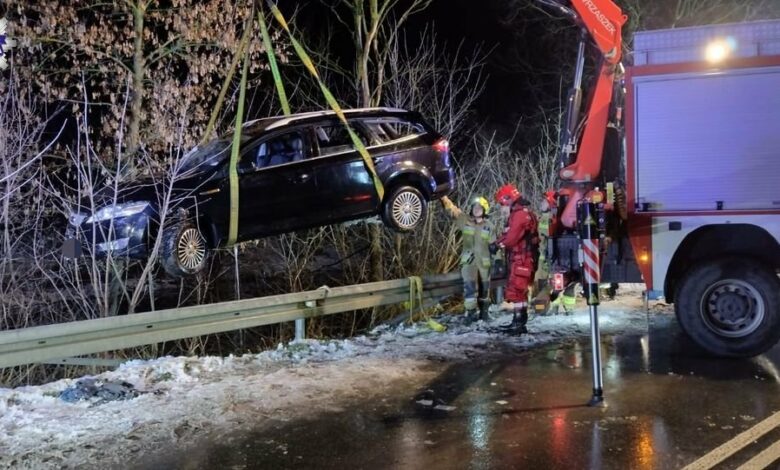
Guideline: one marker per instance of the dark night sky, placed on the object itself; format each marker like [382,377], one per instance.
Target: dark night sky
[525,61]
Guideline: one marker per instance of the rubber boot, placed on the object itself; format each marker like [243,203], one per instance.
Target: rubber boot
[517,325]
[484,309]
[508,327]
[523,320]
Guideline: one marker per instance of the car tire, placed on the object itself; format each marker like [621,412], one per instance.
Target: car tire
[404,209]
[184,250]
[730,307]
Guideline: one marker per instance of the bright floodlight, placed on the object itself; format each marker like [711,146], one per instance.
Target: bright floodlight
[720,49]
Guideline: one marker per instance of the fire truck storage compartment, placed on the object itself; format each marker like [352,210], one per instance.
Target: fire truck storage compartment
[708,141]
[706,137]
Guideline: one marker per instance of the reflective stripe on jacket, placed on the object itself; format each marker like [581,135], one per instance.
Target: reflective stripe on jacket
[476,241]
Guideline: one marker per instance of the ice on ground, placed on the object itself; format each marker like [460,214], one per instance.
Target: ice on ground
[183,397]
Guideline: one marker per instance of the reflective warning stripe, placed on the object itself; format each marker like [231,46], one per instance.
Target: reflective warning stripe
[590,261]
[307,62]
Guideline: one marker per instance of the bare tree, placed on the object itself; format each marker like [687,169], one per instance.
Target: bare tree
[444,86]
[166,50]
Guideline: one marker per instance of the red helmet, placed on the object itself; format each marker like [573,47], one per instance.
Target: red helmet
[551,197]
[507,195]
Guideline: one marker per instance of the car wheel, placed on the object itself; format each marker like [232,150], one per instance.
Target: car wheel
[184,250]
[730,307]
[405,209]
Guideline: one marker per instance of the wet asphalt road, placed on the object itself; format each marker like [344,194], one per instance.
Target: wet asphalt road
[667,405]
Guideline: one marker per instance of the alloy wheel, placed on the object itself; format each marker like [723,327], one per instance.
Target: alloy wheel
[407,209]
[191,249]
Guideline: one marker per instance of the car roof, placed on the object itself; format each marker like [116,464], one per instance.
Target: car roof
[258,126]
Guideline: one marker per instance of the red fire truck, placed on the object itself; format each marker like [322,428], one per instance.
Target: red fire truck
[678,157]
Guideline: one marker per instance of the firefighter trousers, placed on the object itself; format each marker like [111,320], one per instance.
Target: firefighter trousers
[521,274]
[476,285]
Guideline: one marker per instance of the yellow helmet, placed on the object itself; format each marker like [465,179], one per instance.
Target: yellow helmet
[482,202]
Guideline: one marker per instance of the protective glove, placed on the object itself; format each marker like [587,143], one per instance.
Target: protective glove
[499,269]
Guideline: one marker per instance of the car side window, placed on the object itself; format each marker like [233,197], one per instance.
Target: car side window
[279,150]
[387,130]
[334,138]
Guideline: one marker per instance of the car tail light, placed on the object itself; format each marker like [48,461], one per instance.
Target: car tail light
[559,283]
[442,145]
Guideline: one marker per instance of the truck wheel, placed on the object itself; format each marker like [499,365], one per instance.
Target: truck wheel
[404,209]
[730,307]
[184,251]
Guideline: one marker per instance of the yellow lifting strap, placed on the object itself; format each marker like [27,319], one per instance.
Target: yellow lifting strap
[233,173]
[416,297]
[331,100]
[334,105]
[226,85]
[269,49]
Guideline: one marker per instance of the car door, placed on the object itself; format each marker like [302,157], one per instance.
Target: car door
[277,185]
[345,187]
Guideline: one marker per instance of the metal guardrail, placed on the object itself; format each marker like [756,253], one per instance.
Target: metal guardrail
[66,340]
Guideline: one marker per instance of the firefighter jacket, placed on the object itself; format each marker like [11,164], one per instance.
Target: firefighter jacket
[520,238]
[545,221]
[543,263]
[476,238]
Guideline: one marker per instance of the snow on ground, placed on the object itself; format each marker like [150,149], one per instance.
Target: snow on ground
[184,398]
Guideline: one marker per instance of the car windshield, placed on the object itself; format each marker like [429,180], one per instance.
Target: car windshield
[206,156]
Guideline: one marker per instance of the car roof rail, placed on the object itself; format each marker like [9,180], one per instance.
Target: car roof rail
[285,120]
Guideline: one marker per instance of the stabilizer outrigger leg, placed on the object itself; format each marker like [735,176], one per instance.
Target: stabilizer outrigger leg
[590,219]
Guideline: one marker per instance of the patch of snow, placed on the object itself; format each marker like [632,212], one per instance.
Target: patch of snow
[182,397]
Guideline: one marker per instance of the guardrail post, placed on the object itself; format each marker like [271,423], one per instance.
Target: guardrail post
[300,329]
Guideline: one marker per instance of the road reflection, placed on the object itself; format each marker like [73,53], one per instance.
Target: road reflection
[667,403]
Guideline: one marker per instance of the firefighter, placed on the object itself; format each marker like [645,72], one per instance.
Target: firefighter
[520,240]
[542,275]
[476,259]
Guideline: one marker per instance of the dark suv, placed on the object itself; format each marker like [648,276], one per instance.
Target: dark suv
[294,172]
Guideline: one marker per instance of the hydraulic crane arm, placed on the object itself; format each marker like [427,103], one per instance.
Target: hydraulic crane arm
[581,157]
[603,20]
[584,131]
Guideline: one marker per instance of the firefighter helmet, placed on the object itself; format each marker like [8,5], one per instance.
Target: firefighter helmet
[481,201]
[551,197]
[507,195]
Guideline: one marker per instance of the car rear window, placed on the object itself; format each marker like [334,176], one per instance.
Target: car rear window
[389,129]
[334,138]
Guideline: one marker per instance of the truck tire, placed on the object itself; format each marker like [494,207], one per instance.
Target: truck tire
[404,209]
[730,307]
[184,251]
